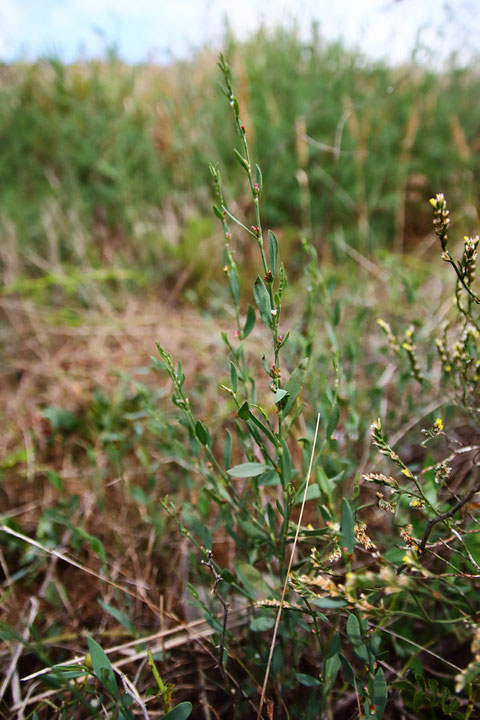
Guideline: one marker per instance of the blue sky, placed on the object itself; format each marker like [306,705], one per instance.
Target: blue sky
[158,29]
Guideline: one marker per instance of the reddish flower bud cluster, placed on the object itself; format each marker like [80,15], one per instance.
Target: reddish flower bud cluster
[275,372]
[268,277]
[255,229]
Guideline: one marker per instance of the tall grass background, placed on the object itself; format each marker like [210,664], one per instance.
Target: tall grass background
[103,163]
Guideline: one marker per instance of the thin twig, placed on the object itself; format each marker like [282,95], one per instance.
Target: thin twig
[131,690]
[225,605]
[422,546]
[70,561]
[433,521]
[196,628]
[34,605]
[419,647]
[285,585]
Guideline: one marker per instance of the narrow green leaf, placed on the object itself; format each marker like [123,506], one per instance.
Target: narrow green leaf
[265,365]
[254,430]
[233,376]
[418,699]
[420,682]
[241,159]
[272,251]
[96,544]
[334,646]
[307,680]
[126,701]
[117,614]
[252,579]
[347,670]
[266,430]
[244,411]
[355,636]
[286,464]
[262,298]
[313,493]
[403,685]
[61,675]
[445,697]
[294,386]
[227,450]
[452,707]
[333,421]
[259,179]
[336,313]
[202,433]
[353,630]
[218,212]
[249,469]
[279,395]
[179,712]
[228,577]
[433,686]
[284,339]
[60,419]
[380,694]
[270,479]
[327,602]
[331,668]
[102,667]
[249,322]
[348,527]
[272,520]
[261,624]
[234,286]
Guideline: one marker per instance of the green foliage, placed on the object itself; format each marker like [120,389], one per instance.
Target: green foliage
[96,152]
[352,611]
[180,712]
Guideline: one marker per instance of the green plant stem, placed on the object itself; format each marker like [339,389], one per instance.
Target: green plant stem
[461,278]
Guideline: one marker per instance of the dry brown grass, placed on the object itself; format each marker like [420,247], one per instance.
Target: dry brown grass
[51,364]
